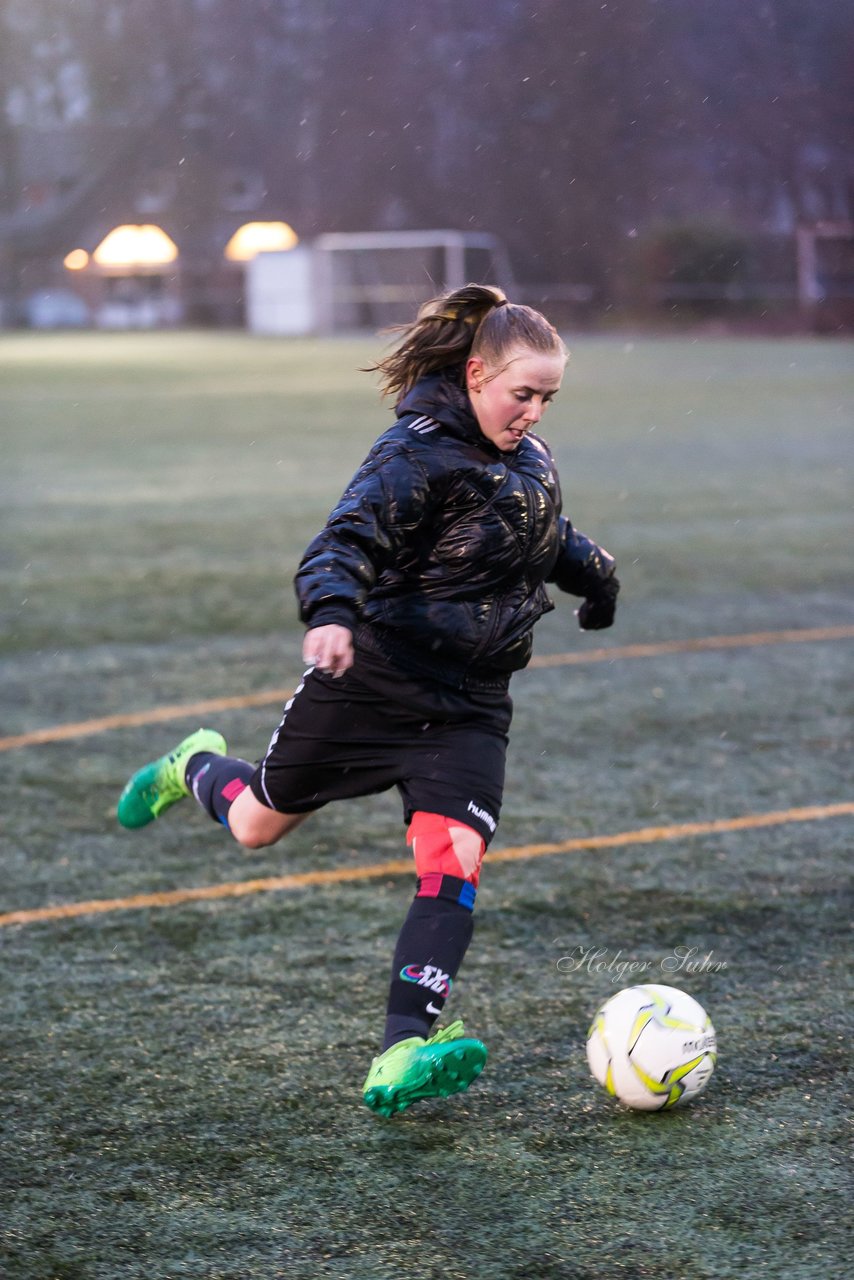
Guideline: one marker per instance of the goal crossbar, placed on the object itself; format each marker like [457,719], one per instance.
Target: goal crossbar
[351,282]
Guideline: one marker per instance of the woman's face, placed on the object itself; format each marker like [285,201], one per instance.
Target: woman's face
[509,401]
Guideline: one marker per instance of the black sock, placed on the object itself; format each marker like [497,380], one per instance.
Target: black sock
[430,949]
[216,781]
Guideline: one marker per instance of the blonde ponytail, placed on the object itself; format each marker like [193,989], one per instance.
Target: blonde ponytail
[474,320]
[442,334]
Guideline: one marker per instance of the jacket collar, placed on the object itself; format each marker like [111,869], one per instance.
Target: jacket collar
[440,396]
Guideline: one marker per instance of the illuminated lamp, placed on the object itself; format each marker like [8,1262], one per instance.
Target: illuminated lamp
[76,260]
[135,246]
[260,237]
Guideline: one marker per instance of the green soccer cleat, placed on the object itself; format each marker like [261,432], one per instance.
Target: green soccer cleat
[415,1069]
[157,786]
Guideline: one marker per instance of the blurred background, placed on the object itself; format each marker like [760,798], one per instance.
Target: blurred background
[208,163]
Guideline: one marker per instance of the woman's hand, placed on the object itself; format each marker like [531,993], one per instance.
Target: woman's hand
[597,612]
[328,648]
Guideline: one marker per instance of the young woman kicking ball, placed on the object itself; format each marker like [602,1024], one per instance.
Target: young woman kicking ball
[419,597]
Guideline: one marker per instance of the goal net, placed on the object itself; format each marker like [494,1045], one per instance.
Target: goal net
[368,280]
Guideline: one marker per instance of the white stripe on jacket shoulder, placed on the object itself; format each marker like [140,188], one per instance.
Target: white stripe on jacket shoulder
[424,425]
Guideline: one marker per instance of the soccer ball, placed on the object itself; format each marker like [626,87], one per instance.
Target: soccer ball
[652,1047]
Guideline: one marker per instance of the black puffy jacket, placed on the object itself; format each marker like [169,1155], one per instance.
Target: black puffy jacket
[438,552]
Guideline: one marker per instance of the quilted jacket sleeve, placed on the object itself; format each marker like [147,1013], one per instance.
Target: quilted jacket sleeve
[382,507]
[582,568]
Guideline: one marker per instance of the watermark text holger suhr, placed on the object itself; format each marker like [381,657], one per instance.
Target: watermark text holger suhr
[618,967]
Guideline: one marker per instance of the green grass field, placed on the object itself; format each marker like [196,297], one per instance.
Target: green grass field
[180,1089]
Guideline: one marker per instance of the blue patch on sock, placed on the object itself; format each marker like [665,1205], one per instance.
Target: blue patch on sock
[468,893]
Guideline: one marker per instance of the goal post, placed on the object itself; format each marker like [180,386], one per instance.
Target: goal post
[825,256]
[375,279]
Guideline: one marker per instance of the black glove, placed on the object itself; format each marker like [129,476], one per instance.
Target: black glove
[597,612]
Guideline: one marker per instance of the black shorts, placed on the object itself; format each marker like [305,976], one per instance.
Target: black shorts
[375,728]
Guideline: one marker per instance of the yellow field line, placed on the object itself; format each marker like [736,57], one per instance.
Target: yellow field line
[85,728]
[404,866]
[273,697]
[698,644]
